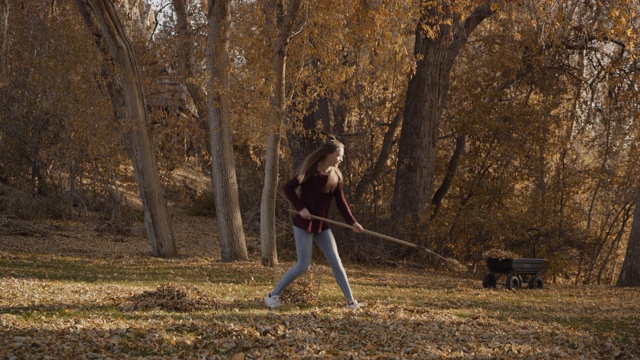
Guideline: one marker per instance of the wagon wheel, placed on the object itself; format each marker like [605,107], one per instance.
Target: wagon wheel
[513,282]
[489,281]
[536,283]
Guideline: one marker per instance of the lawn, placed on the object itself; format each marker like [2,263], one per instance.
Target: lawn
[74,293]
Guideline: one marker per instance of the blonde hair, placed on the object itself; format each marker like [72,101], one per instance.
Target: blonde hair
[309,166]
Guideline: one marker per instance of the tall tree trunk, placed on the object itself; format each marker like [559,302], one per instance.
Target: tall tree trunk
[268,245]
[138,139]
[426,97]
[188,72]
[117,102]
[630,273]
[223,177]
[186,42]
[285,19]
[225,185]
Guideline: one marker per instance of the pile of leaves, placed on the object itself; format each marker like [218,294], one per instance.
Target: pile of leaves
[171,297]
[500,254]
[300,291]
[305,289]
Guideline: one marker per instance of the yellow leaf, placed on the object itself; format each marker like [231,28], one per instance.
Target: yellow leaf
[494,7]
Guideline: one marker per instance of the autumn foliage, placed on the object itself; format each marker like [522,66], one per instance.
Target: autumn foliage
[538,128]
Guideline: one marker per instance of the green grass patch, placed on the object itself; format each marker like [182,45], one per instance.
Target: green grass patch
[128,307]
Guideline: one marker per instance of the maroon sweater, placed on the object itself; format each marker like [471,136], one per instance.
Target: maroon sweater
[317,201]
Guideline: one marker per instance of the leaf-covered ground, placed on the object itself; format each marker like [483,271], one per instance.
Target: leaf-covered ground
[70,292]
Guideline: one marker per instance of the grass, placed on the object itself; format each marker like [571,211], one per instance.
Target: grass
[80,304]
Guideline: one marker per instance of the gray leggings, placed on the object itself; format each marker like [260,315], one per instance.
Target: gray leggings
[304,247]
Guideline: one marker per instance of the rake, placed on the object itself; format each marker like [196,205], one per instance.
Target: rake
[452,263]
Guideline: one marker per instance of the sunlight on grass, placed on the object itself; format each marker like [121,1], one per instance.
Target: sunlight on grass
[131,306]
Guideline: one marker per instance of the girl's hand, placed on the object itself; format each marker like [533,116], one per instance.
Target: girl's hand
[357,227]
[305,214]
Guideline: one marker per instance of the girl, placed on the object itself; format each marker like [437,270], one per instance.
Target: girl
[319,180]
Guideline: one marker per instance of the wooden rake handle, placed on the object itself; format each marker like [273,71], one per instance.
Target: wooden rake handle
[365,231]
[452,262]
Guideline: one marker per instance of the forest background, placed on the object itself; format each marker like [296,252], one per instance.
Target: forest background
[465,122]
[143,146]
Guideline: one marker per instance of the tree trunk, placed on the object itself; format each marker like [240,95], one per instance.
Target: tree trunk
[284,21]
[138,139]
[188,74]
[436,201]
[606,231]
[426,97]
[630,273]
[381,163]
[186,42]
[225,185]
[612,247]
[268,245]
[117,103]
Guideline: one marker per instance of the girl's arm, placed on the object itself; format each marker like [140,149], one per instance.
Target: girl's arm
[341,202]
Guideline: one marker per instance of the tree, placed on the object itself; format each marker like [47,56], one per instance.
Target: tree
[285,20]
[551,148]
[216,104]
[225,185]
[352,85]
[440,35]
[539,126]
[138,139]
[186,46]
[630,273]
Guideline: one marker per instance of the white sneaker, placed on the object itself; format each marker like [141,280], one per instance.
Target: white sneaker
[272,301]
[355,305]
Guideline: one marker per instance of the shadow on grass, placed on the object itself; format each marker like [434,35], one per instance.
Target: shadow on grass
[137,269]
